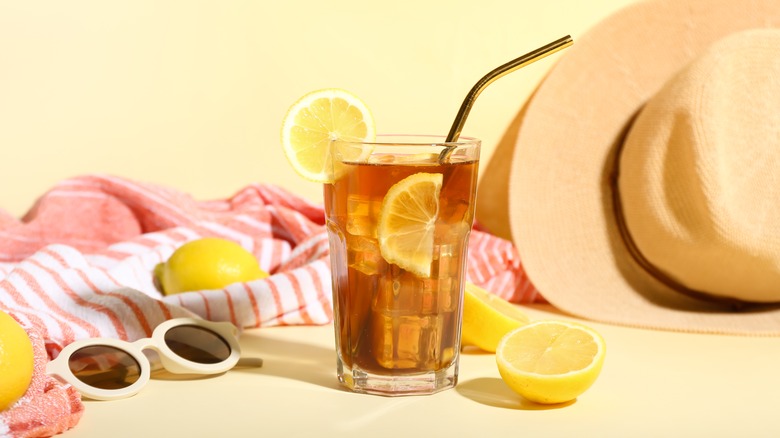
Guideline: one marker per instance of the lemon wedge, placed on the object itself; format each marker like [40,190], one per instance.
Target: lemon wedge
[550,361]
[317,119]
[487,318]
[407,221]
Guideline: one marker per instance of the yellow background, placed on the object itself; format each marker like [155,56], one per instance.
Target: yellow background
[191,94]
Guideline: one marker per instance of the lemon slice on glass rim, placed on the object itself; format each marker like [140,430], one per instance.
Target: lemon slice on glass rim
[550,361]
[407,221]
[319,118]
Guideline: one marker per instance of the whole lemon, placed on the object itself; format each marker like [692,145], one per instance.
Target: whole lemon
[207,263]
[16,361]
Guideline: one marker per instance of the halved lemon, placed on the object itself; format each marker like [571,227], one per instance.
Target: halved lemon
[487,318]
[407,220]
[550,361]
[317,119]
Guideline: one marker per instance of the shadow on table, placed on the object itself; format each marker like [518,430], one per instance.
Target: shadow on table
[291,359]
[494,392]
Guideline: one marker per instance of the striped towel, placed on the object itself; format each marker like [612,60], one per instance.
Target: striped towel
[79,264]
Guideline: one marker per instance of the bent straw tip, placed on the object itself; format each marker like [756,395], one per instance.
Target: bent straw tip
[528,58]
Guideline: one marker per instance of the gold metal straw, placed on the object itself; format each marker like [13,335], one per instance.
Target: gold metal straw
[489,78]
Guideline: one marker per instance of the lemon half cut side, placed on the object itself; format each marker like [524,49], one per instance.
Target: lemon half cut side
[319,118]
[550,361]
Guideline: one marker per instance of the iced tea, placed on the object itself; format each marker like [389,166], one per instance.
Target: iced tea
[398,332]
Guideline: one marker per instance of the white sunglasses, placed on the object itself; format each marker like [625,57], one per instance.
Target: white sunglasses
[110,369]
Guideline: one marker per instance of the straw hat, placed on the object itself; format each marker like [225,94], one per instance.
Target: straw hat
[644,185]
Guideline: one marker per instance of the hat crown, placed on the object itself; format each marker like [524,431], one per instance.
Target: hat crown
[700,171]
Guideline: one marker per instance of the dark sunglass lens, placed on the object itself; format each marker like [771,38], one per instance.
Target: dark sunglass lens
[104,367]
[197,344]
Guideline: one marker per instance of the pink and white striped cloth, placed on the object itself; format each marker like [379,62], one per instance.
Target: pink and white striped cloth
[79,264]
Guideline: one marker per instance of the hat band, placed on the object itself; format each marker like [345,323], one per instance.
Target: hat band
[636,254]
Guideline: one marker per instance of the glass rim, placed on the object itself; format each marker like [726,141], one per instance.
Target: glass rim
[415,140]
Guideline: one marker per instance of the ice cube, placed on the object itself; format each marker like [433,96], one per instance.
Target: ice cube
[382,159]
[398,292]
[406,342]
[361,218]
[363,254]
[422,158]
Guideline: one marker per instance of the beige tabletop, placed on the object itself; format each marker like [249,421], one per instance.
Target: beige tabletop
[653,384]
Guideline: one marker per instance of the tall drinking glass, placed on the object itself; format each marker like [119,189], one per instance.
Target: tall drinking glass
[399,214]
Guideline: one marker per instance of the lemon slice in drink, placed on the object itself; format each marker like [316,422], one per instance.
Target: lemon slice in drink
[314,121]
[407,220]
[487,318]
[550,361]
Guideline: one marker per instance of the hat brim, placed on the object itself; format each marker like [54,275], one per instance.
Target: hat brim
[560,201]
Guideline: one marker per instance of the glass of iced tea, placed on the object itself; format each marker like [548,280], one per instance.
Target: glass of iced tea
[399,214]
